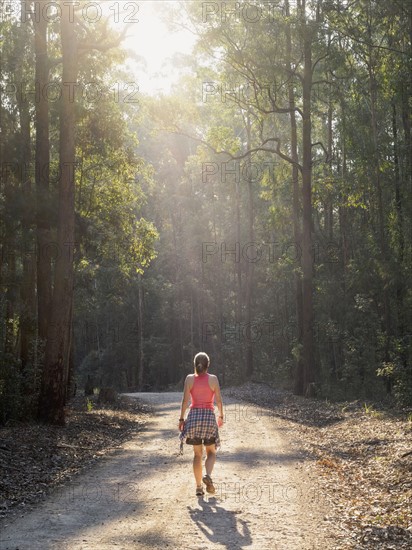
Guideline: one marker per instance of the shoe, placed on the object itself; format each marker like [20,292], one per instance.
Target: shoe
[199,491]
[207,480]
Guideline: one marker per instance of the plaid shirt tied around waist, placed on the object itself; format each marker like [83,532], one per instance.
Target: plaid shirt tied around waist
[200,423]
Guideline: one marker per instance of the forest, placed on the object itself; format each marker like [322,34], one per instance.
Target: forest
[261,211]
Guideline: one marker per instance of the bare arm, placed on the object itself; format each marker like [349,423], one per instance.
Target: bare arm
[186,396]
[218,396]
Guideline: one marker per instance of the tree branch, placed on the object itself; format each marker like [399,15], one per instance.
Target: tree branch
[277,109]
[261,147]
[324,149]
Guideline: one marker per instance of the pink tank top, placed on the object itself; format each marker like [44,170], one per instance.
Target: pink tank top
[202,395]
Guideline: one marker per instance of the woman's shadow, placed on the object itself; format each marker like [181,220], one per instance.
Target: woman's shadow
[220,525]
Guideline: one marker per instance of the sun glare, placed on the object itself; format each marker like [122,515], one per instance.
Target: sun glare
[152,45]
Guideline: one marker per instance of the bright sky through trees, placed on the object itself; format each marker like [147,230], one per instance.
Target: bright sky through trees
[151,39]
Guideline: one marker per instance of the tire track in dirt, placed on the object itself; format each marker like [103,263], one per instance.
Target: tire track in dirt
[142,496]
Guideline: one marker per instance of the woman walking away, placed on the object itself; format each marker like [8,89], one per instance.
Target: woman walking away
[200,427]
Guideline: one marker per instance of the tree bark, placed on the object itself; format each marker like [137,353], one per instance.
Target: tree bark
[140,369]
[238,265]
[307,256]
[55,373]
[400,290]
[329,204]
[299,377]
[27,290]
[250,264]
[42,176]
[373,91]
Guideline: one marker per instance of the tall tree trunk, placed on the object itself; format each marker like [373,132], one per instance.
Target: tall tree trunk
[140,368]
[307,260]
[343,228]
[42,162]
[299,375]
[381,218]
[71,386]
[343,211]
[400,291]
[250,264]
[55,373]
[27,291]
[238,265]
[329,207]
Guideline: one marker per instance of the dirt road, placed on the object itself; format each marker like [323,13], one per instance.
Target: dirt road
[143,495]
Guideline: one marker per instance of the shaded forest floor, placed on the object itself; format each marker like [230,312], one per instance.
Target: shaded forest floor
[36,458]
[361,456]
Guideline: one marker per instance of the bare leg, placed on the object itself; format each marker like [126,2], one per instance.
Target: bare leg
[197,464]
[210,459]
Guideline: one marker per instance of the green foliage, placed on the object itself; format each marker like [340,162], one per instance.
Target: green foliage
[222,138]
[351,273]
[402,386]
[146,207]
